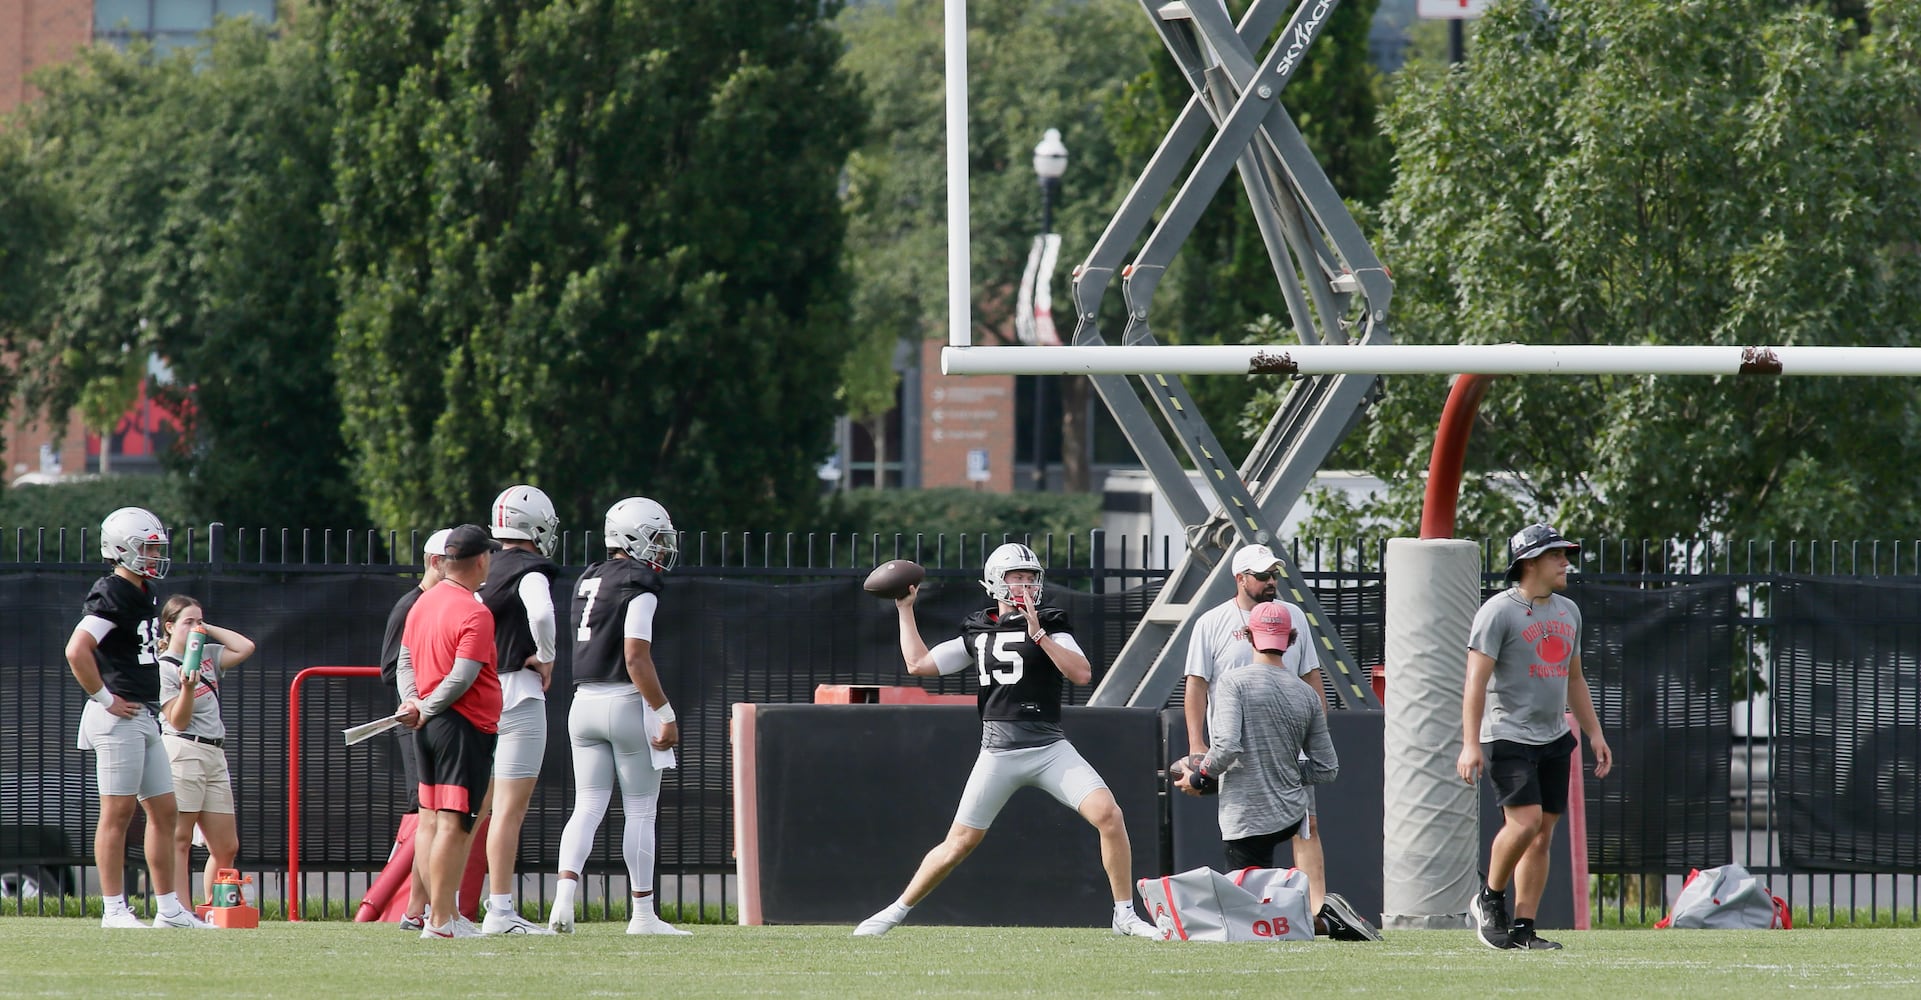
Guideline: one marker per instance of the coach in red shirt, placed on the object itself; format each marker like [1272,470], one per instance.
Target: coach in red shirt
[450,693]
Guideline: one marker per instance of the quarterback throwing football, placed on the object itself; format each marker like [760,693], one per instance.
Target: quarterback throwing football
[1021,653]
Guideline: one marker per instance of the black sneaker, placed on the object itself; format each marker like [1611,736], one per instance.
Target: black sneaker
[1344,923]
[1523,938]
[1489,912]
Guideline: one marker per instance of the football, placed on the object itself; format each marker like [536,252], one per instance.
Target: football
[891,579]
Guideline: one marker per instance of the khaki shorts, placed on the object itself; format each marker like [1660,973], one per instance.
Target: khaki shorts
[201,781]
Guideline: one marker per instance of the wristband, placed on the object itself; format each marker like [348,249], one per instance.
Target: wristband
[666,713]
[102,697]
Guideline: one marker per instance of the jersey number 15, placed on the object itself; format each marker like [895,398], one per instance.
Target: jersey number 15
[1004,653]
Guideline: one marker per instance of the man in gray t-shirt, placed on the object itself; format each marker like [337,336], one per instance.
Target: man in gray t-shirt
[1269,744]
[1218,645]
[1523,676]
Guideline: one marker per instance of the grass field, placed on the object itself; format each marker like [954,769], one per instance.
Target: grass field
[52,957]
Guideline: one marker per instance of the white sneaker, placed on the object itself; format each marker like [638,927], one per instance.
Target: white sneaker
[1129,925]
[875,926]
[456,929]
[561,921]
[509,922]
[649,922]
[183,920]
[125,920]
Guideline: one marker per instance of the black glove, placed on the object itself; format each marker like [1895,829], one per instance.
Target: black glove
[1198,779]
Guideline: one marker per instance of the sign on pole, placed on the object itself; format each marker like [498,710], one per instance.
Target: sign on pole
[1450,10]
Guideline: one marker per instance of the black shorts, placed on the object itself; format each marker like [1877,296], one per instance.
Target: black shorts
[1257,851]
[456,762]
[1527,774]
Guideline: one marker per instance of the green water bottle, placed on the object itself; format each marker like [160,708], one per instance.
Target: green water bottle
[190,667]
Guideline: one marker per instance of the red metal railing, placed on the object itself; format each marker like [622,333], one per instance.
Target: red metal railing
[294,894]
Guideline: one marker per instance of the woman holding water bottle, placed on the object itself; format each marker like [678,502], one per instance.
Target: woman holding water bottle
[197,656]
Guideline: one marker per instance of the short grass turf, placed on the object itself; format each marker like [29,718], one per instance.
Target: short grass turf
[54,957]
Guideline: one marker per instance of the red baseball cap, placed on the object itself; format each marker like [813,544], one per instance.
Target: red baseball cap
[1269,625]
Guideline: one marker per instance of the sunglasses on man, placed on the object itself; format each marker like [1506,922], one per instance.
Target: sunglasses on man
[1263,577]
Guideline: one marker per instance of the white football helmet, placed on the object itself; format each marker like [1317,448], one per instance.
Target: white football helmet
[126,535]
[1005,560]
[641,528]
[525,512]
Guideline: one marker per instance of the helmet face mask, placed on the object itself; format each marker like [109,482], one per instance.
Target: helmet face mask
[524,512]
[1007,559]
[641,528]
[134,538]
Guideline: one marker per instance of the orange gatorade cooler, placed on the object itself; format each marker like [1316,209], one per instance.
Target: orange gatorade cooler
[227,907]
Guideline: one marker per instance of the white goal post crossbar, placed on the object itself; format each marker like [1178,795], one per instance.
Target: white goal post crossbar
[1430,359]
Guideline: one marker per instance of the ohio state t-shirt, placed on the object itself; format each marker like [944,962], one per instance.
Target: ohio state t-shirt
[1533,645]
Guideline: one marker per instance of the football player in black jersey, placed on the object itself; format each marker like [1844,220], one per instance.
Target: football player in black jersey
[1021,653]
[621,726]
[520,592]
[413,918]
[112,654]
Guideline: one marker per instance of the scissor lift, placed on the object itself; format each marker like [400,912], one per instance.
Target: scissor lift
[1336,292]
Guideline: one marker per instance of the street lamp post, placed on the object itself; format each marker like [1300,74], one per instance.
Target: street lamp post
[1050,162]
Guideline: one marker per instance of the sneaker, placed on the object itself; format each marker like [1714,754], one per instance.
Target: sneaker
[875,926]
[1489,912]
[1524,939]
[509,922]
[1129,925]
[456,929]
[561,921]
[648,922]
[182,920]
[418,923]
[1344,922]
[125,920]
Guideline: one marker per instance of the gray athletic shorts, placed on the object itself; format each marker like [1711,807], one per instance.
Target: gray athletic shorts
[1057,769]
[609,738]
[523,740]
[129,758]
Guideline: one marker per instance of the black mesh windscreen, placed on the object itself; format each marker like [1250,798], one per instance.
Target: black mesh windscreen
[1657,663]
[1847,702]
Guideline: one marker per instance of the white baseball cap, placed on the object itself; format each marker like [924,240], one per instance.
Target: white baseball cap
[437,543]
[1255,559]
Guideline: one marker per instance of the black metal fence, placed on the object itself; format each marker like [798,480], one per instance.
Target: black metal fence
[1675,632]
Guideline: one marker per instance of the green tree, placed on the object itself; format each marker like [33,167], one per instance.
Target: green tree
[1031,67]
[1731,172]
[196,184]
[31,218]
[1222,279]
[593,246]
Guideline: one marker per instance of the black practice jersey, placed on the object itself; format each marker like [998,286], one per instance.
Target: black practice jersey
[1018,680]
[127,657]
[600,617]
[390,642]
[513,637]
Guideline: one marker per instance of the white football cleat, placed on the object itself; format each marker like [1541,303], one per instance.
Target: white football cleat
[1129,925]
[457,928]
[648,922]
[509,923]
[561,921]
[875,926]
[183,920]
[125,920]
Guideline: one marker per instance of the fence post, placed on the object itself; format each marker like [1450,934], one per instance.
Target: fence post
[1097,558]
